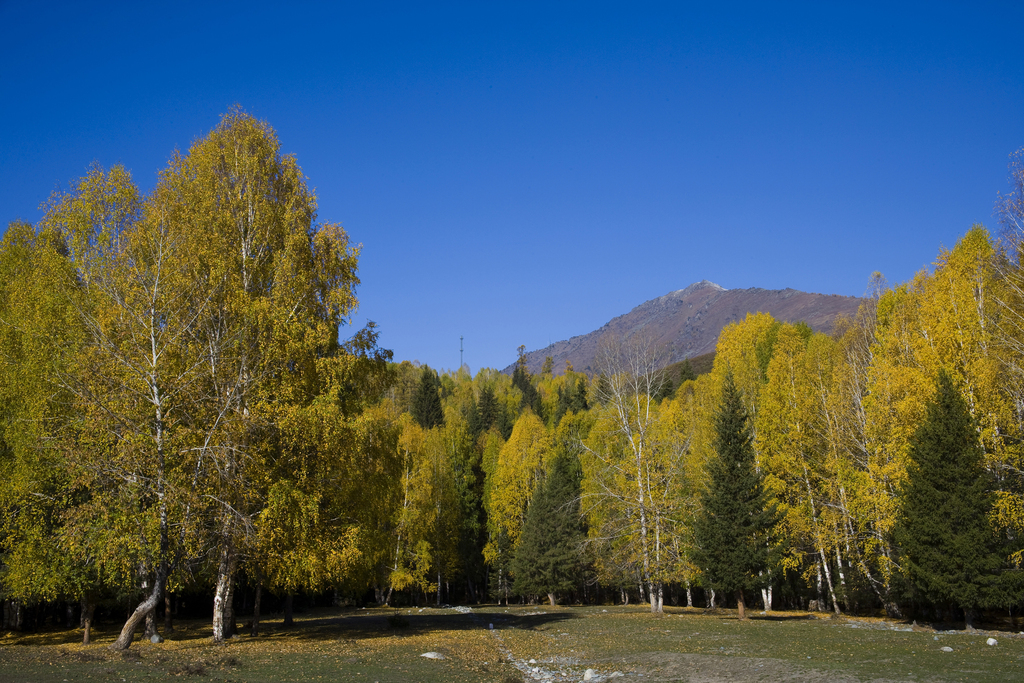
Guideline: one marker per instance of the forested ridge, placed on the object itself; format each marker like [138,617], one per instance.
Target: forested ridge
[180,416]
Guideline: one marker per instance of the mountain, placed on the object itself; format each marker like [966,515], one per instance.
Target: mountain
[687,322]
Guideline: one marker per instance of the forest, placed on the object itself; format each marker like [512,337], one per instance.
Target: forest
[186,415]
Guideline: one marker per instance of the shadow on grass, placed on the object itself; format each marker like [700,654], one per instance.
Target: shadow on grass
[333,626]
[363,625]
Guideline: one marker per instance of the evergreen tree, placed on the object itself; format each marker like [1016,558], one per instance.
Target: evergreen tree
[547,560]
[736,515]
[426,403]
[686,372]
[473,421]
[578,400]
[571,397]
[488,408]
[522,379]
[666,390]
[949,549]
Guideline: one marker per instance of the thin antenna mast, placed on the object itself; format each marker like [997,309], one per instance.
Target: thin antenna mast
[460,351]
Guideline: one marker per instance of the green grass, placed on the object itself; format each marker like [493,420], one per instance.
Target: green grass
[366,645]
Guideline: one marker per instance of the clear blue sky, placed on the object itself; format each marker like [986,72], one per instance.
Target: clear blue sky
[521,173]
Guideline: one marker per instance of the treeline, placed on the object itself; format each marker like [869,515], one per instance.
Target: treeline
[889,454]
[178,416]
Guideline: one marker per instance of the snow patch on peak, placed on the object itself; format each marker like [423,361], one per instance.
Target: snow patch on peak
[703,284]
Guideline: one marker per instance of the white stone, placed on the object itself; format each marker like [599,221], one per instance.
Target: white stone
[490,626]
[155,638]
[947,648]
[533,661]
[432,655]
[588,675]
[991,641]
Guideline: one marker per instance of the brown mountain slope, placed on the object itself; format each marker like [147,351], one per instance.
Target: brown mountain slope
[687,322]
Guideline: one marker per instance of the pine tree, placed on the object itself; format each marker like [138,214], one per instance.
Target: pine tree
[547,560]
[949,549]
[732,529]
[488,407]
[686,372]
[522,379]
[426,403]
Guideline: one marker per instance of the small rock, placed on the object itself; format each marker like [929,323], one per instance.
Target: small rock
[588,675]
[490,626]
[946,648]
[935,637]
[155,638]
[432,655]
[991,641]
[533,661]
[616,674]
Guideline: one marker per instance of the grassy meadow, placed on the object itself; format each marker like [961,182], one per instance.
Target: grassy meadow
[618,643]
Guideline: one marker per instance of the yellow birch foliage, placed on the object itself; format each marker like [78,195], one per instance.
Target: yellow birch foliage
[521,463]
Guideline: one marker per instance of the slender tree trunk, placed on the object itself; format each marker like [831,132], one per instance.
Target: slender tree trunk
[168,618]
[712,605]
[842,581]
[288,610]
[828,579]
[551,599]
[88,608]
[150,629]
[256,610]
[146,607]
[222,598]
[740,608]
[230,622]
[818,586]
[689,595]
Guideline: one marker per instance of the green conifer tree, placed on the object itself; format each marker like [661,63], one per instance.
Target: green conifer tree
[736,517]
[488,407]
[686,372]
[522,379]
[547,560]
[426,403]
[949,549]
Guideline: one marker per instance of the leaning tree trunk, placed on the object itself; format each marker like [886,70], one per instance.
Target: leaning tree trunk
[124,640]
[147,606]
[551,599]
